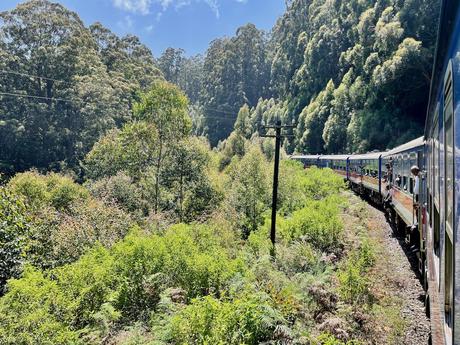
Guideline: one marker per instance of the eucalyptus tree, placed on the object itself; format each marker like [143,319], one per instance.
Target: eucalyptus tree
[60,90]
[165,106]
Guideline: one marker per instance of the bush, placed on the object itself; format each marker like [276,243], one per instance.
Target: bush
[47,190]
[321,183]
[86,224]
[34,311]
[291,193]
[14,229]
[354,285]
[318,223]
[247,319]
[122,190]
[151,263]
[249,188]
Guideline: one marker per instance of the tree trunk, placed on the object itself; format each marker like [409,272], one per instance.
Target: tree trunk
[157,177]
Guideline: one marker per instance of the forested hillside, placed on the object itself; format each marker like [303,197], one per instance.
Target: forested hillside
[353,75]
[62,85]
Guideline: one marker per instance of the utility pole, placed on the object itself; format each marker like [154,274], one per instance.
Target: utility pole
[278,136]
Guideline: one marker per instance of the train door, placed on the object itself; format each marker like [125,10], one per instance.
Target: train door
[449,199]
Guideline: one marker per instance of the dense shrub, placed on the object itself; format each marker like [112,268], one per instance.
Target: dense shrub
[53,189]
[318,223]
[248,319]
[122,190]
[291,191]
[34,311]
[320,183]
[249,189]
[65,221]
[354,285]
[86,224]
[14,228]
[180,258]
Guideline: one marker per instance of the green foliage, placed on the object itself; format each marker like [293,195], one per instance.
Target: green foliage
[86,224]
[41,307]
[187,188]
[321,183]
[14,230]
[291,189]
[354,285]
[53,190]
[235,72]
[121,190]
[247,319]
[64,220]
[89,81]
[249,187]
[132,149]
[165,106]
[328,339]
[317,223]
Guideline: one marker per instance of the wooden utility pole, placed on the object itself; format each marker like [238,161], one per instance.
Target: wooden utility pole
[278,136]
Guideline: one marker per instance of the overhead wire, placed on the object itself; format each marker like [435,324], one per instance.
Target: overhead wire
[68,100]
[34,76]
[36,97]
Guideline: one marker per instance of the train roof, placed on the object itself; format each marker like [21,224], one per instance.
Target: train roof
[341,157]
[404,147]
[370,155]
[304,156]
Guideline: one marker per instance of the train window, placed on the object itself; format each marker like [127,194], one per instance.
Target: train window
[436,232]
[404,183]
[448,194]
[436,162]
[411,185]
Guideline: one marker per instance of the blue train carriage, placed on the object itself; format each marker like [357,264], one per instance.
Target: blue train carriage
[364,174]
[307,160]
[442,135]
[398,180]
[338,163]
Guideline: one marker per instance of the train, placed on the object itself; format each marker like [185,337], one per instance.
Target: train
[418,183]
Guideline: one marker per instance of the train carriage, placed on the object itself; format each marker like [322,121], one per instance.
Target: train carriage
[338,163]
[307,160]
[365,173]
[442,181]
[397,176]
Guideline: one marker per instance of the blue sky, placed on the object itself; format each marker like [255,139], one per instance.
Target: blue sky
[187,24]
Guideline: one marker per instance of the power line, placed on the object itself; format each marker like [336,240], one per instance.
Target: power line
[34,76]
[36,97]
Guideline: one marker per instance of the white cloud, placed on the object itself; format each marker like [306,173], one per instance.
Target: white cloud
[143,6]
[126,24]
[134,6]
[214,7]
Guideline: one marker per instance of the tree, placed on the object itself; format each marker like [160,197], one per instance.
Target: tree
[185,179]
[66,85]
[133,149]
[249,189]
[165,106]
[236,72]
